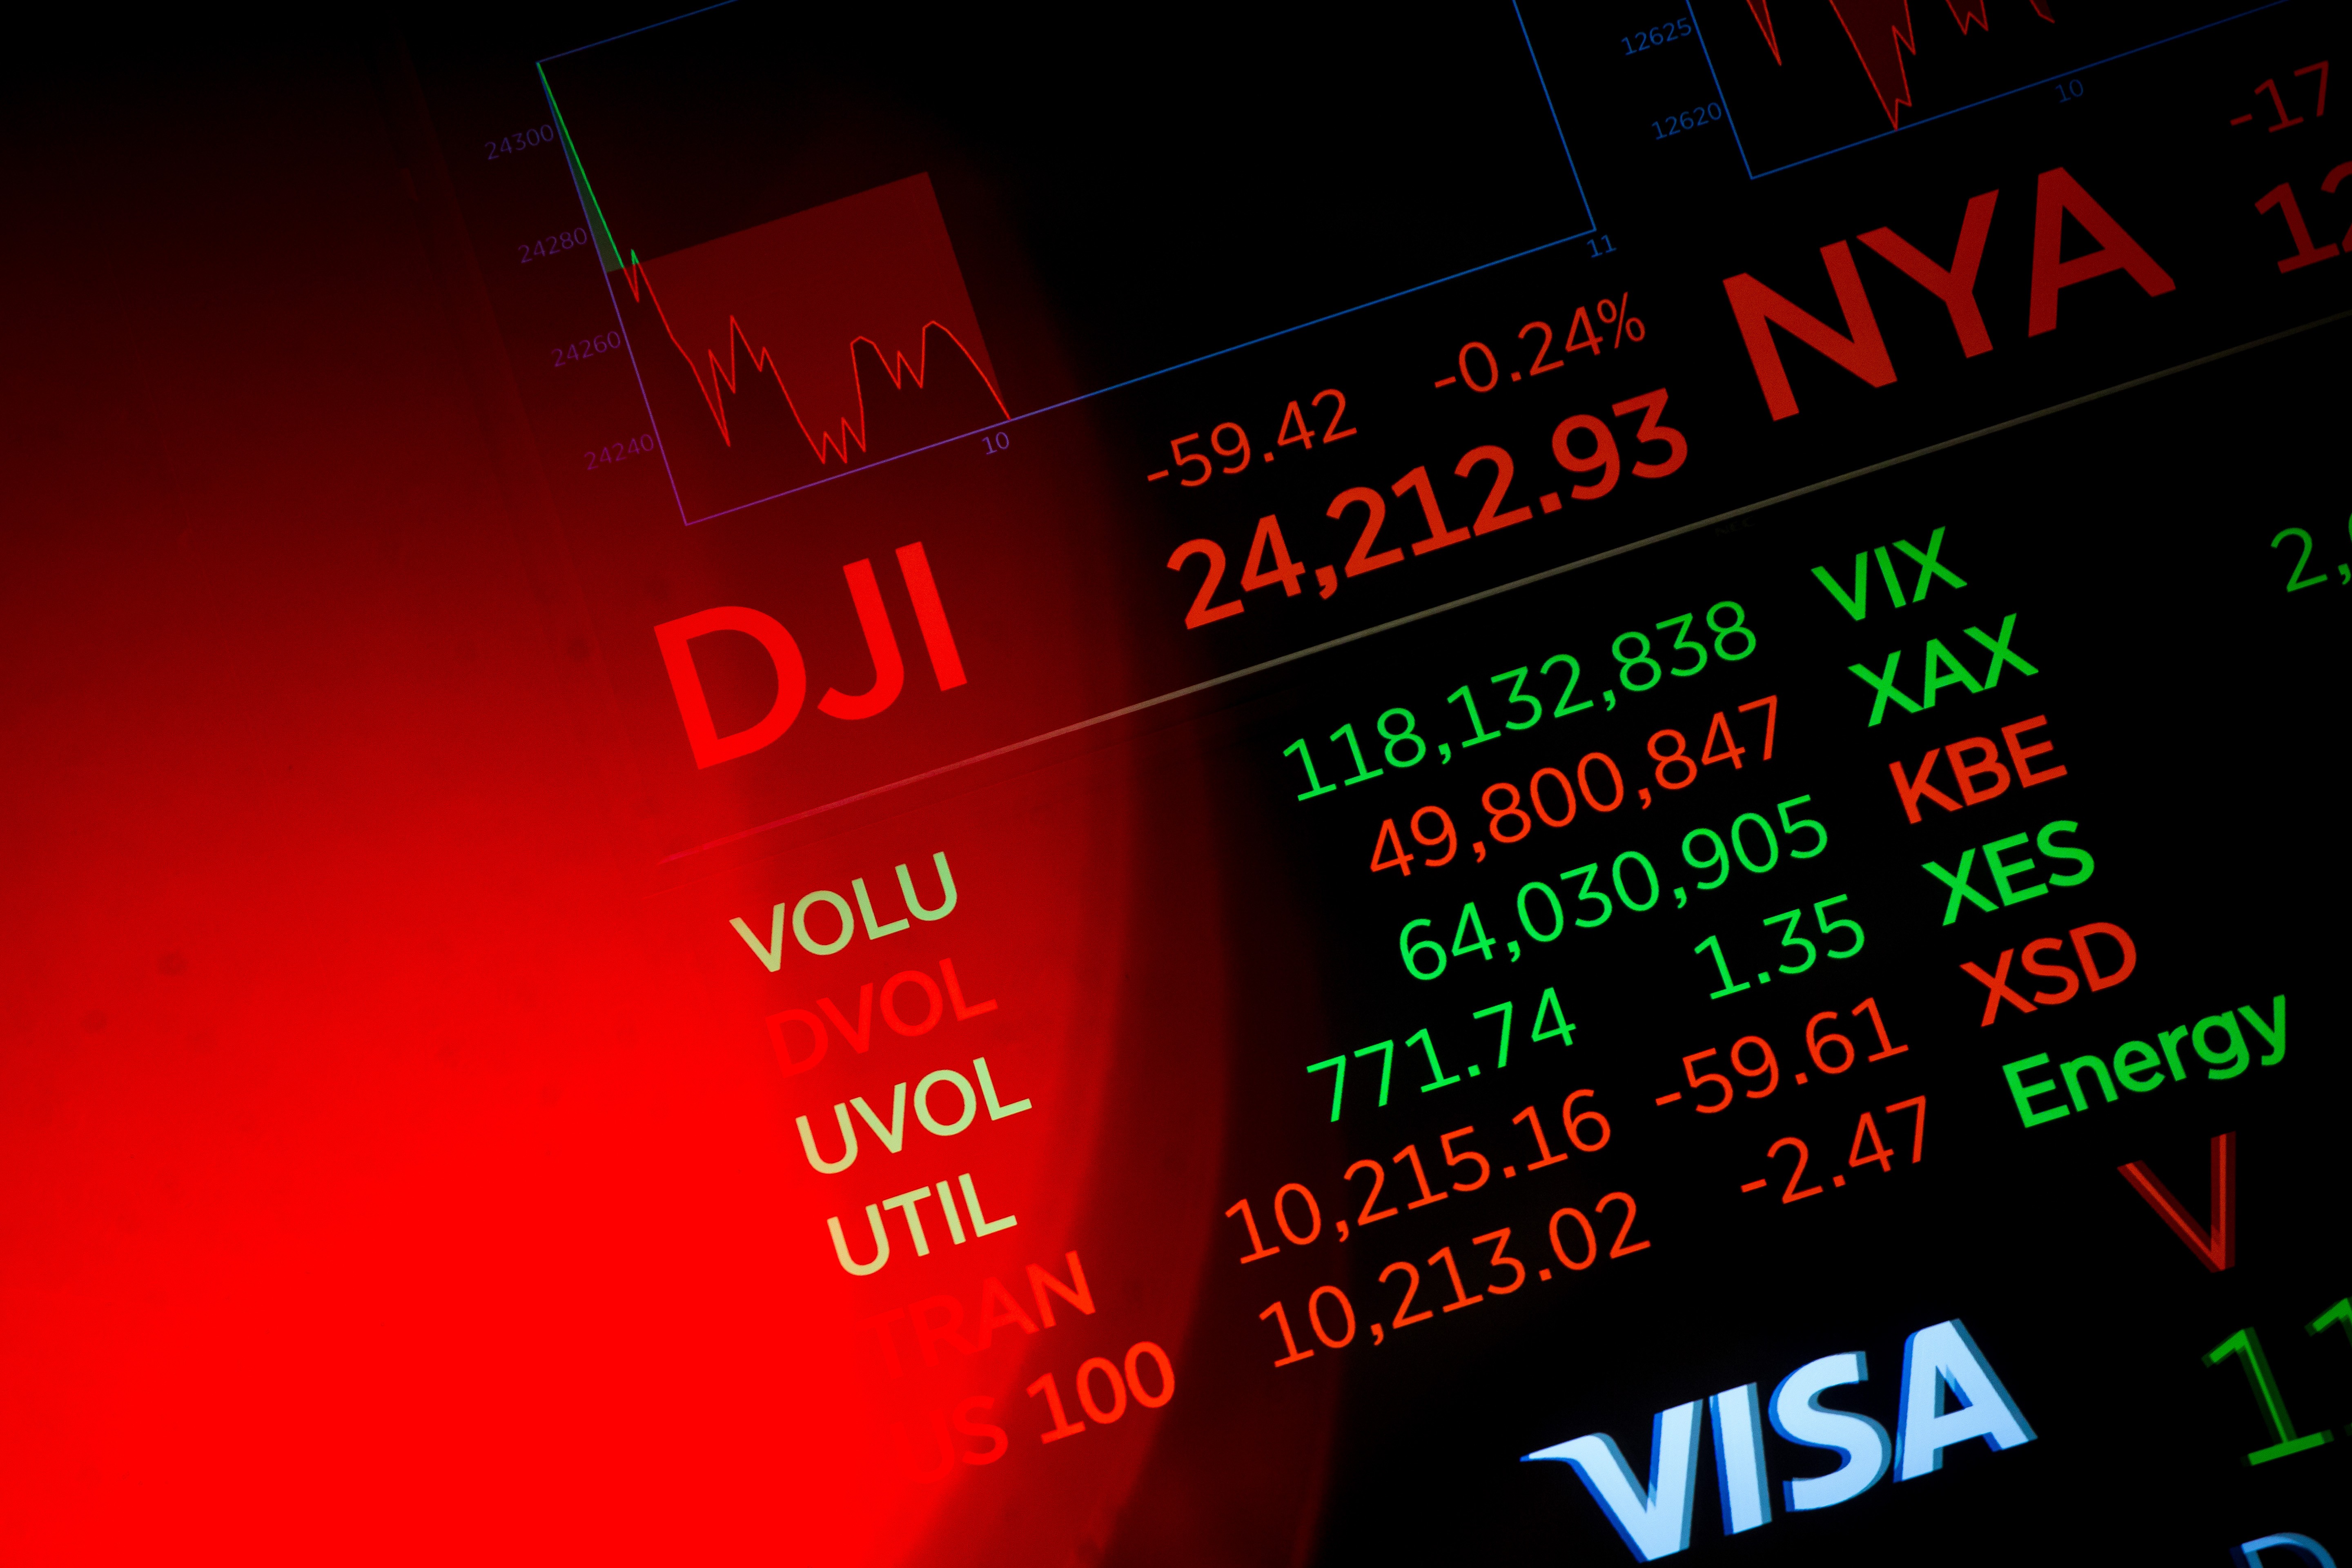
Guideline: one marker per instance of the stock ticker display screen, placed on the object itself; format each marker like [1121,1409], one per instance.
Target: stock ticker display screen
[1526,782]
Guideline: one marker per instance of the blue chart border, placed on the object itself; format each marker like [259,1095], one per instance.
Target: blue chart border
[1592,226]
[1691,11]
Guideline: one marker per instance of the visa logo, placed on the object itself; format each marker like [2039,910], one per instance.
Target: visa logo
[1654,1520]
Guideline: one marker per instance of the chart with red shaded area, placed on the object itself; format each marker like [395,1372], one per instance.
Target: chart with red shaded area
[785,355]
[1802,79]
[1881,34]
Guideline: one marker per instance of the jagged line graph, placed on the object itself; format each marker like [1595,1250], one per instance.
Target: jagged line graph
[641,288]
[823,445]
[613,262]
[1880,31]
[1760,11]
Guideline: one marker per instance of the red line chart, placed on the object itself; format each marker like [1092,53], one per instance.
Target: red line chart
[1881,33]
[761,362]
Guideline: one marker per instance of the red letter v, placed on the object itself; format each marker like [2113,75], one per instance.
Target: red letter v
[2219,1246]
